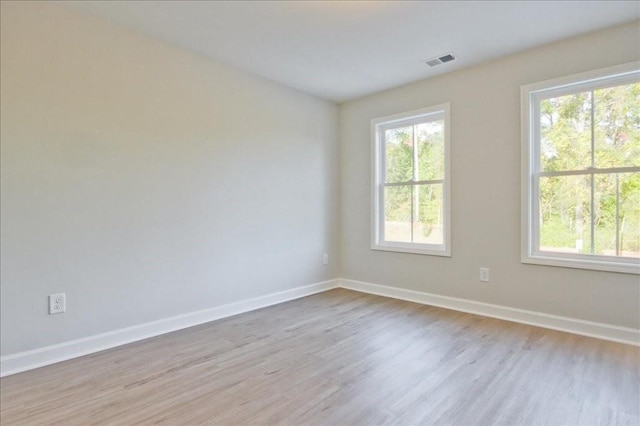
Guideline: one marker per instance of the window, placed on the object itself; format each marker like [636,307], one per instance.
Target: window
[581,171]
[411,182]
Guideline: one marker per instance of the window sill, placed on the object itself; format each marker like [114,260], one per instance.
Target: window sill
[413,249]
[595,265]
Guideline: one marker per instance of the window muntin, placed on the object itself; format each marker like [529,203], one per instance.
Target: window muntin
[581,158]
[410,196]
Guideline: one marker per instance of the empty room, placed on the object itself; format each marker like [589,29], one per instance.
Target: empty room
[320,212]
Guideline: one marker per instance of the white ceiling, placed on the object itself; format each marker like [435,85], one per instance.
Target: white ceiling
[340,50]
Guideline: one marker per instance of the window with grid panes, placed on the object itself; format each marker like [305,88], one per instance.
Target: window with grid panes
[581,171]
[411,182]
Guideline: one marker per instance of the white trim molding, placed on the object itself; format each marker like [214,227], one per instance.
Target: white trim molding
[40,357]
[630,336]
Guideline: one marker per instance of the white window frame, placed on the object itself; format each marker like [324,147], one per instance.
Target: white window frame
[531,95]
[378,126]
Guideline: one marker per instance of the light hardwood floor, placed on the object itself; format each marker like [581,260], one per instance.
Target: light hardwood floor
[335,358]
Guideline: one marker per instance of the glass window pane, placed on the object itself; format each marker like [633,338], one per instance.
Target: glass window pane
[430,138]
[397,213]
[617,126]
[565,216]
[398,146]
[565,132]
[428,226]
[604,215]
[629,214]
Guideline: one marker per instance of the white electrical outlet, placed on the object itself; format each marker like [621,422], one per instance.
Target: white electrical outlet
[325,259]
[57,303]
[484,275]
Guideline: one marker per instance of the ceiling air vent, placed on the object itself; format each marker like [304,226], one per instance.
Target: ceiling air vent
[440,60]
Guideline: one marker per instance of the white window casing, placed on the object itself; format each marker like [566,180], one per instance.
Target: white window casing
[531,97]
[379,239]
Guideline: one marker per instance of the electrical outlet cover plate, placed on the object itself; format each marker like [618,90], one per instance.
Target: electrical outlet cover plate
[57,303]
[484,275]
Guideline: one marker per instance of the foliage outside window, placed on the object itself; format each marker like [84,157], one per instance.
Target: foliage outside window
[411,182]
[581,177]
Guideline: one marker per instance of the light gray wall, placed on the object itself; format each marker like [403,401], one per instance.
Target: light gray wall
[145,181]
[485,145]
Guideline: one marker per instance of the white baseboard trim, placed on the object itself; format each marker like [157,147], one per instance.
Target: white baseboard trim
[598,330]
[28,360]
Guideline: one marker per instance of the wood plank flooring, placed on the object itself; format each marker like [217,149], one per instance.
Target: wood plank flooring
[339,358]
